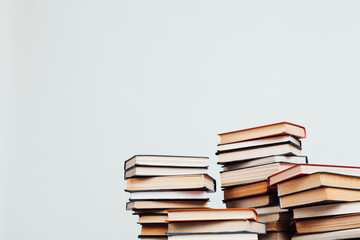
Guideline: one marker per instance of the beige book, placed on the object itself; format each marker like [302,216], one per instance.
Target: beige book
[215,236]
[253,202]
[152,219]
[163,204]
[251,175]
[334,235]
[145,171]
[154,229]
[275,129]
[217,226]
[319,195]
[188,182]
[317,180]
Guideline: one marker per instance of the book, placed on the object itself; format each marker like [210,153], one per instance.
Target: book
[251,175]
[248,190]
[187,182]
[259,152]
[305,169]
[260,142]
[327,224]
[149,211]
[163,195]
[153,238]
[264,161]
[163,204]
[156,218]
[327,210]
[253,202]
[147,171]
[282,128]
[215,236]
[319,196]
[334,235]
[158,229]
[316,180]
[276,217]
[211,214]
[270,210]
[230,226]
[166,160]
[279,227]
[275,236]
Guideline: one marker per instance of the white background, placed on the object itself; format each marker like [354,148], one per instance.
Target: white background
[87,84]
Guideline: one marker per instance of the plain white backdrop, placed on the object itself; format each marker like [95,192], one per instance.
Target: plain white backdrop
[87,84]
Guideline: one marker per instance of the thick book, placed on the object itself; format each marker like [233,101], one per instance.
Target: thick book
[229,157]
[251,175]
[148,171]
[319,196]
[334,235]
[264,161]
[276,217]
[276,129]
[316,180]
[158,229]
[260,142]
[305,169]
[327,224]
[230,226]
[275,236]
[253,202]
[216,214]
[187,182]
[280,227]
[155,218]
[248,190]
[166,195]
[166,160]
[327,210]
[270,210]
[163,204]
[215,236]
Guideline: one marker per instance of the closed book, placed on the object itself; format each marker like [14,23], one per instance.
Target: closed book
[166,160]
[276,217]
[275,236]
[216,214]
[229,157]
[260,142]
[333,235]
[270,209]
[275,129]
[319,196]
[327,210]
[165,195]
[306,169]
[148,171]
[248,190]
[163,204]
[253,202]
[230,226]
[187,182]
[327,224]
[158,229]
[251,175]
[264,161]
[316,180]
[280,227]
[215,236]
[159,218]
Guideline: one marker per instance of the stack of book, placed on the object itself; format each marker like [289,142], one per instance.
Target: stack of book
[248,158]
[157,183]
[214,224]
[324,198]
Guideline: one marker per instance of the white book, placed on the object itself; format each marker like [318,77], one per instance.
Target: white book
[169,195]
[334,235]
[264,161]
[327,210]
[215,236]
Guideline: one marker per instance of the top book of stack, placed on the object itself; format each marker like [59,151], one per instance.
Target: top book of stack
[276,129]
